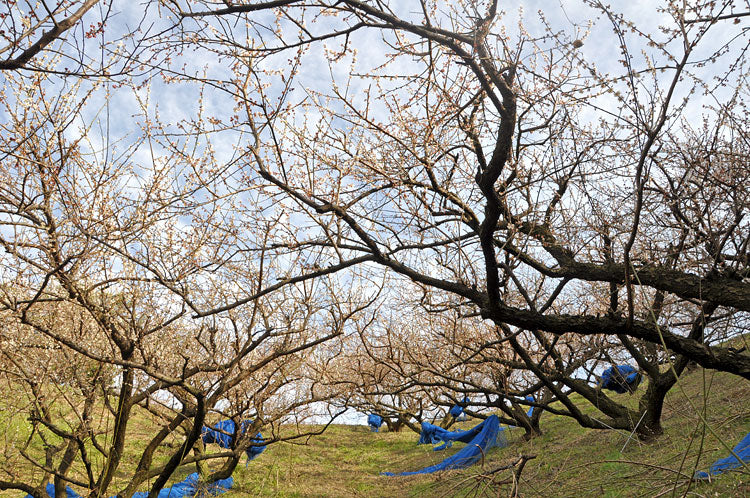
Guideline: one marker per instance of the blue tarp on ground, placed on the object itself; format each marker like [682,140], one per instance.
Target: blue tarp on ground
[222,433]
[190,487]
[50,489]
[485,436]
[613,381]
[374,421]
[742,450]
[433,434]
[186,488]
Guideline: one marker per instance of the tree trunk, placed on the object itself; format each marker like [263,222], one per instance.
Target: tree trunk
[395,425]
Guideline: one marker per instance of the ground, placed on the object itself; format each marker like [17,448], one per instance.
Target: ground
[346,460]
[570,461]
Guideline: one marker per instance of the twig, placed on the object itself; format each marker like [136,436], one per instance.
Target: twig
[517,474]
[521,460]
[634,429]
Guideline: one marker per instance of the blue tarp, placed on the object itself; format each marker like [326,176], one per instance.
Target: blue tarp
[613,381]
[484,436]
[190,486]
[742,450]
[185,488]
[223,432]
[457,410]
[530,399]
[433,434]
[374,421]
[531,408]
[50,489]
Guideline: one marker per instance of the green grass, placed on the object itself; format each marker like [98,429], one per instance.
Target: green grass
[570,461]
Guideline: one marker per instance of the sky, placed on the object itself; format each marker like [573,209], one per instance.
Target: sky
[118,110]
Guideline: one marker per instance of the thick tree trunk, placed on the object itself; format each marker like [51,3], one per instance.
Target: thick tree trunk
[226,470]
[183,450]
[120,430]
[532,428]
[395,425]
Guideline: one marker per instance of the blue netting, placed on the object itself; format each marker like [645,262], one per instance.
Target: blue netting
[186,488]
[222,434]
[742,450]
[50,489]
[531,409]
[479,439]
[374,421]
[613,381]
[433,434]
[530,399]
[457,410]
[192,486]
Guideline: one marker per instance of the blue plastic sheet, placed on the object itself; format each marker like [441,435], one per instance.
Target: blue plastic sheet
[458,409]
[223,432]
[530,399]
[186,488]
[190,486]
[484,436]
[374,421]
[531,409]
[742,450]
[50,489]
[433,434]
[613,381]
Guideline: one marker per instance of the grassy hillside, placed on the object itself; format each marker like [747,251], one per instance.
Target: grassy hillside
[570,461]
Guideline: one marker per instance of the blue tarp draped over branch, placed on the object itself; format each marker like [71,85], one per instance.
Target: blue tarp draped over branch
[186,488]
[374,421]
[222,434]
[531,408]
[742,450]
[433,434]
[613,380]
[479,439]
[458,409]
[530,399]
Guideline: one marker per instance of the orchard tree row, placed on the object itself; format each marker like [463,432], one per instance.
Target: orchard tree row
[282,210]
